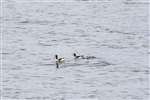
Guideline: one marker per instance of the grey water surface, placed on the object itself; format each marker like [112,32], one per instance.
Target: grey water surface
[114,31]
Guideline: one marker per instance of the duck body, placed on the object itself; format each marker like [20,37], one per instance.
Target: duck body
[61,60]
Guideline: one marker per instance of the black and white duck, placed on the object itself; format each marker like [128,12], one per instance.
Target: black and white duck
[78,56]
[58,60]
[83,57]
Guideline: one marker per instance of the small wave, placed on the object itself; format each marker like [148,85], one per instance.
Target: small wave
[114,46]
[103,63]
[40,22]
[133,3]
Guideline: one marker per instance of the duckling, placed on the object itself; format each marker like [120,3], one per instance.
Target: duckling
[76,57]
[59,61]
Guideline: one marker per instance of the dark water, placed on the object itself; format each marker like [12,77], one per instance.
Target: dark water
[115,32]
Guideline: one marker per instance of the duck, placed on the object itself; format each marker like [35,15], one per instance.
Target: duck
[77,57]
[83,57]
[58,60]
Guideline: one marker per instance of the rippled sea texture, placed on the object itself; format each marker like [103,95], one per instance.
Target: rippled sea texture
[114,31]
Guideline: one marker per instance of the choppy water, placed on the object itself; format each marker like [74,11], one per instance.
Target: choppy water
[114,31]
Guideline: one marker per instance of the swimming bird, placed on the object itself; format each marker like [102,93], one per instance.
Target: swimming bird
[79,56]
[58,60]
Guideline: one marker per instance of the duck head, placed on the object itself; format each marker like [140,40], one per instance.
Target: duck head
[74,54]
